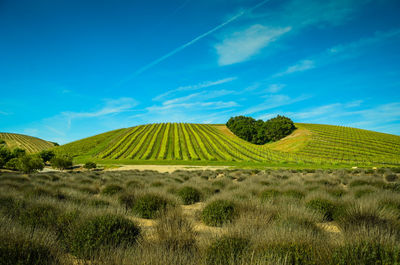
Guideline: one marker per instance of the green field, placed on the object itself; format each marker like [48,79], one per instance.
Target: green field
[201,143]
[29,143]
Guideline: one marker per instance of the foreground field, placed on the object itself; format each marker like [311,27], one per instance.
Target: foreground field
[175,143]
[201,217]
[29,143]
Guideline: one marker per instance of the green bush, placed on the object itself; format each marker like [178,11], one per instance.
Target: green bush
[391,177]
[175,232]
[102,231]
[12,164]
[218,212]
[134,184]
[47,155]
[258,131]
[189,195]
[61,162]
[99,203]
[111,189]
[366,253]
[90,165]
[227,250]
[368,217]
[127,200]
[294,253]
[39,215]
[15,250]
[149,205]
[363,192]
[324,206]
[269,194]
[30,163]
[18,152]
[293,194]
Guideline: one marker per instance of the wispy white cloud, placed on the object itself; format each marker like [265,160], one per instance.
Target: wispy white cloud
[193,41]
[340,52]
[320,13]
[274,101]
[384,117]
[3,113]
[298,67]
[198,86]
[194,106]
[239,46]
[111,107]
[274,88]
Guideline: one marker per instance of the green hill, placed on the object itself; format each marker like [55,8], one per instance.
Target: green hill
[310,143]
[29,143]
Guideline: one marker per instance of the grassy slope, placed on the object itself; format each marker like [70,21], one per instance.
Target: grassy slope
[29,143]
[215,144]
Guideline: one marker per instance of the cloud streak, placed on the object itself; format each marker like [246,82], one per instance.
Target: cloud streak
[112,107]
[193,41]
[272,102]
[339,52]
[242,45]
[195,87]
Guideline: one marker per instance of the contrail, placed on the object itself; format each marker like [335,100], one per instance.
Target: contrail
[162,58]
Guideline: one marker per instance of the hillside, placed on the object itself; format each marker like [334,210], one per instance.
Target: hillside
[190,142]
[29,143]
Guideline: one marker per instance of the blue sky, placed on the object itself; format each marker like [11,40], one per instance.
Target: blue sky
[72,69]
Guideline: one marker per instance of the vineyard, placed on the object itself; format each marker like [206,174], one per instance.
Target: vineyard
[340,143]
[29,143]
[201,142]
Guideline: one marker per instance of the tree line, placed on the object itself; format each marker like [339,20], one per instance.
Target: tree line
[18,159]
[259,131]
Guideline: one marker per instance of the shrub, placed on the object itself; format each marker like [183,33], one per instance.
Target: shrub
[134,184]
[366,253]
[47,155]
[61,162]
[15,250]
[368,217]
[218,212]
[227,250]
[39,215]
[5,154]
[294,194]
[111,189]
[30,163]
[90,165]
[295,253]
[363,192]
[99,203]
[18,152]
[149,205]
[324,206]
[175,232]
[391,177]
[102,231]
[12,164]
[269,194]
[258,131]
[127,200]
[189,195]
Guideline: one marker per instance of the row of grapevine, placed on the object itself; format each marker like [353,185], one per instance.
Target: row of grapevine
[181,141]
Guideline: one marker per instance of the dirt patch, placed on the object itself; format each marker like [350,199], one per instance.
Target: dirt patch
[329,227]
[166,168]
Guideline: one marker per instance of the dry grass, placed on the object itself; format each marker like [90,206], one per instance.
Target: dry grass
[281,229]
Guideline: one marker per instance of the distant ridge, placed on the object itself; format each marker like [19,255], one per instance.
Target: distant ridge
[29,143]
[310,143]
